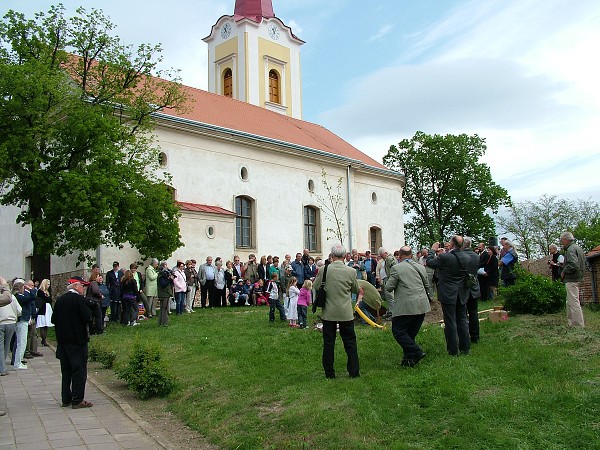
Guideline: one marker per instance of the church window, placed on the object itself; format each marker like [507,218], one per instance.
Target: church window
[311,186]
[162,159]
[374,197]
[311,228]
[244,209]
[244,174]
[228,83]
[375,239]
[273,86]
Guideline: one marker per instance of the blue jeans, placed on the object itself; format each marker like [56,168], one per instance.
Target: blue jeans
[22,328]
[302,315]
[275,303]
[179,302]
[6,334]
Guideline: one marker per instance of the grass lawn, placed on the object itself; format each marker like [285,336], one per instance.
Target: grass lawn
[243,382]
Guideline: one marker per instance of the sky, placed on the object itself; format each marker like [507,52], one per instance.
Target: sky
[523,74]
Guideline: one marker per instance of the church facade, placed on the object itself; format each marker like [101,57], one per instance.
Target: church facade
[246,171]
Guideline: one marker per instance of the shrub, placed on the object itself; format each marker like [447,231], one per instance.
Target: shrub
[146,373]
[102,355]
[533,294]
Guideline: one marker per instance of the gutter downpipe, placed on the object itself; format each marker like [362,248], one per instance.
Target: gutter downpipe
[349,207]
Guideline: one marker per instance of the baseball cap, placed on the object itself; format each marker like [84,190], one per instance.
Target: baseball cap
[77,279]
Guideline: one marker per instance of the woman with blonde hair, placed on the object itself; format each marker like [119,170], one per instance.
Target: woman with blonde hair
[44,307]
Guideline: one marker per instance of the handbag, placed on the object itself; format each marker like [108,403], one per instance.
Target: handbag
[321,295]
[172,304]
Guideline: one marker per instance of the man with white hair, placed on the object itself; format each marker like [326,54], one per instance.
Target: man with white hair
[340,284]
[70,318]
[572,275]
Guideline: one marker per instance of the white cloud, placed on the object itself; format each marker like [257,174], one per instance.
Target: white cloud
[381,33]
[521,74]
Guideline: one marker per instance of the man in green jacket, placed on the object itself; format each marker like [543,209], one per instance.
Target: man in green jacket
[408,285]
[340,284]
[572,275]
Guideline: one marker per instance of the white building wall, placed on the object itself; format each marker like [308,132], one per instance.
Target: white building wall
[15,245]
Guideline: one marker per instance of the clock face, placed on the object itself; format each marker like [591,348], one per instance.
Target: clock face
[273,31]
[226,31]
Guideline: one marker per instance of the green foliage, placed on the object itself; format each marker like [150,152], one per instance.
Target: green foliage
[76,121]
[448,190]
[247,383]
[533,294]
[146,373]
[588,233]
[105,357]
[538,224]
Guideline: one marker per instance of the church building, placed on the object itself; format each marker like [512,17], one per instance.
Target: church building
[247,171]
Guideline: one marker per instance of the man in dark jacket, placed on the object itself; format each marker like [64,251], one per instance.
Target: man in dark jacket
[70,318]
[474,292]
[452,294]
[113,282]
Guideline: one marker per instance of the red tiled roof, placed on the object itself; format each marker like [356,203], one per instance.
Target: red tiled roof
[224,112]
[593,253]
[253,9]
[196,207]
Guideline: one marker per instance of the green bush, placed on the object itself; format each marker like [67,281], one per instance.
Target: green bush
[146,373]
[533,294]
[102,355]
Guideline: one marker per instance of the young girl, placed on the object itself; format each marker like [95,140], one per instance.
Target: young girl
[259,293]
[304,299]
[292,293]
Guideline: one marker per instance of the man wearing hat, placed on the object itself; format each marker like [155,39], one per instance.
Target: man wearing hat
[70,318]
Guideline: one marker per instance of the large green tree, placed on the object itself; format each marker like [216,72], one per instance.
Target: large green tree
[537,224]
[448,189]
[76,135]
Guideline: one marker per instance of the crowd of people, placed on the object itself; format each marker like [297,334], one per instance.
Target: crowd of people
[456,273]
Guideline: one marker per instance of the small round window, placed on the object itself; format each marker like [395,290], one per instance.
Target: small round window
[374,197]
[311,186]
[244,173]
[162,159]
[210,231]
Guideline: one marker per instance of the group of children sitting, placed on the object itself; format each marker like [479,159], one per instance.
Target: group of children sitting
[291,301]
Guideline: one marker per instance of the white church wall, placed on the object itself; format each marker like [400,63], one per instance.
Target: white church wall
[16,247]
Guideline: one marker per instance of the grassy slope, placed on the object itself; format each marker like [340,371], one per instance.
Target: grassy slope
[246,383]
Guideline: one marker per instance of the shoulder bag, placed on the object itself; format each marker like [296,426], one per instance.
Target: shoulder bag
[321,295]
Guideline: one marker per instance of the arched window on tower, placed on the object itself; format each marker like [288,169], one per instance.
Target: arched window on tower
[228,83]
[274,86]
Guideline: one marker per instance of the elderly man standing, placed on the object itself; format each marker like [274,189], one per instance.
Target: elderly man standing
[206,276]
[453,294]
[70,318]
[340,284]
[572,275]
[408,284]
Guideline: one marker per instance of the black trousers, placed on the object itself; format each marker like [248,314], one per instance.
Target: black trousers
[456,327]
[405,330]
[73,367]
[348,338]
[207,291]
[473,318]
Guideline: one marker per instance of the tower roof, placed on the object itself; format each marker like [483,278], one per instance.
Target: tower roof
[253,9]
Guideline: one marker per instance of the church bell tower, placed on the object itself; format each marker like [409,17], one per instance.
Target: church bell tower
[254,57]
